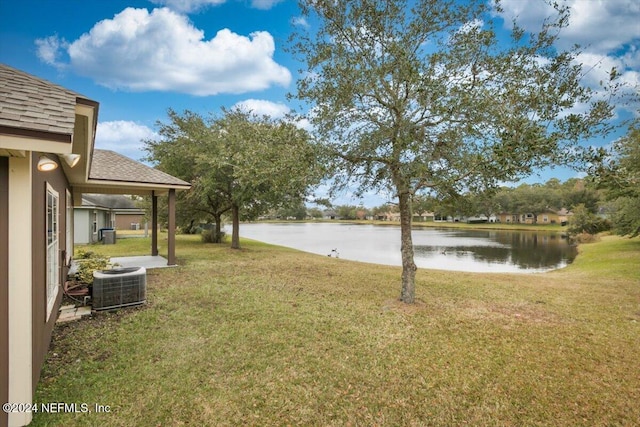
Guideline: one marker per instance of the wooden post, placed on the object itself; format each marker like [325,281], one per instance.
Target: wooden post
[171,232]
[154,224]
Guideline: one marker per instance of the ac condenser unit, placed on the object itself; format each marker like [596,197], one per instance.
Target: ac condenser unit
[119,287]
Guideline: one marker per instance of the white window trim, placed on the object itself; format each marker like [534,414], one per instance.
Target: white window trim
[69,229]
[53,248]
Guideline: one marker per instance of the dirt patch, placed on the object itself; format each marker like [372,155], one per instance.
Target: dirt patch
[397,305]
[525,312]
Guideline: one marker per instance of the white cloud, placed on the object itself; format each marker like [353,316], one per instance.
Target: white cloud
[188,6]
[599,26]
[608,32]
[49,49]
[263,107]
[300,21]
[124,137]
[264,4]
[275,110]
[163,51]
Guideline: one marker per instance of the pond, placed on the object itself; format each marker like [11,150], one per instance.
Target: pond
[496,251]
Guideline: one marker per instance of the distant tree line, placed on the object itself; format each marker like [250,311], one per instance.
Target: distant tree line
[596,203]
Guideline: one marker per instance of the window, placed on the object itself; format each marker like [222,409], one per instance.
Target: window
[69,229]
[53,273]
[95,222]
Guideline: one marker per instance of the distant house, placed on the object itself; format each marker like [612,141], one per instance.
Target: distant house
[330,214]
[475,219]
[100,211]
[362,214]
[507,218]
[527,218]
[545,217]
[424,217]
[47,161]
[388,216]
[554,217]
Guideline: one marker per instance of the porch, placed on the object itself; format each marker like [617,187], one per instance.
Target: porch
[113,173]
[146,261]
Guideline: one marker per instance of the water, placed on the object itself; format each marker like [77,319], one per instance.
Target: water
[495,251]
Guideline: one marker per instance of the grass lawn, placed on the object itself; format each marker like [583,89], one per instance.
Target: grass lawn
[272,336]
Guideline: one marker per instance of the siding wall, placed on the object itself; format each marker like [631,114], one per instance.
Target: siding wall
[4,286]
[43,327]
[82,224]
[123,221]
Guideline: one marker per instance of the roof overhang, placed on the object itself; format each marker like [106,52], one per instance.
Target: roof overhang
[84,132]
[113,173]
[27,140]
[120,187]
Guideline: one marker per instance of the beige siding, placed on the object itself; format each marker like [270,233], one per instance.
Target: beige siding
[20,287]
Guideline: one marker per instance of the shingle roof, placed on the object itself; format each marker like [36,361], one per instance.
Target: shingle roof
[30,103]
[110,166]
[112,201]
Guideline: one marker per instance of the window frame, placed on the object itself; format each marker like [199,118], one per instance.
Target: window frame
[52,244]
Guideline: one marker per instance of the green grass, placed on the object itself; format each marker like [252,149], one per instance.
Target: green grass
[271,336]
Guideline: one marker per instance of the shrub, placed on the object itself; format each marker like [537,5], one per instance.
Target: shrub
[585,238]
[584,221]
[210,236]
[88,262]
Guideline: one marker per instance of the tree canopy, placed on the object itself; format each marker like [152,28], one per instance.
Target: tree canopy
[237,163]
[423,96]
[619,174]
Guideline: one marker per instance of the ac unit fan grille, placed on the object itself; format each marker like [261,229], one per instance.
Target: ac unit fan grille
[119,290]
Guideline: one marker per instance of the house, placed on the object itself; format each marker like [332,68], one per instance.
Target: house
[545,217]
[388,216]
[330,214]
[564,216]
[508,218]
[475,219]
[554,217]
[47,161]
[424,217]
[99,211]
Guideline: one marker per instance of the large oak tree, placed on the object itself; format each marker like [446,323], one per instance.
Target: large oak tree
[238,164]
[423,96]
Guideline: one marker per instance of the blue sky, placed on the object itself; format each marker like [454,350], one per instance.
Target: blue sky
[138,58]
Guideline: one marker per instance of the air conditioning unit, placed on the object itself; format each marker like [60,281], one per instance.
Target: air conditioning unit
[119,287]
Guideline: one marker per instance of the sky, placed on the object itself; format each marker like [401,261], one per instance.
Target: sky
[138,58]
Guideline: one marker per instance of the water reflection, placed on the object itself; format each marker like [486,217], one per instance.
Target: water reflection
[521,250]
[449,249]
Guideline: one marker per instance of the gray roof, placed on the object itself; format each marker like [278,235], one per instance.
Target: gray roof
[111,201]
[33,104]
[110,166]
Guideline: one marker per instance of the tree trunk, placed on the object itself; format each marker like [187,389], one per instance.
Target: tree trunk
[218,236]
[235,233]
[409,268]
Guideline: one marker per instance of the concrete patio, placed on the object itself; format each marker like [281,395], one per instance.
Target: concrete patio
[147,262]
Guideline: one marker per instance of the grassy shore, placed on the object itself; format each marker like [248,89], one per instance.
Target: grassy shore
[271,336]
[441,224]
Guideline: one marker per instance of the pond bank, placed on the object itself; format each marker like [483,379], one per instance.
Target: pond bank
[436,224]
[450,248]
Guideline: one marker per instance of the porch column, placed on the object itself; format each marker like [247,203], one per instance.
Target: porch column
[20,298]
[154,224]
[171,232]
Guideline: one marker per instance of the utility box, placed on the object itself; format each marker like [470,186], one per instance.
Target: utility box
[108,237]
[119,287]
